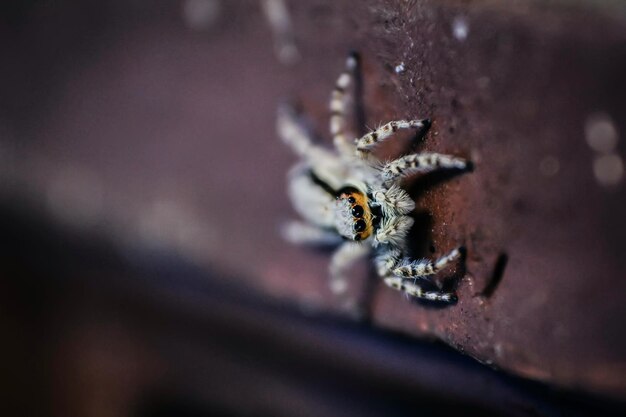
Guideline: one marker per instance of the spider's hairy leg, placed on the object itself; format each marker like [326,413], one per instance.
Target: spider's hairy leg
[312,202]
[424,267]
[388,261]
[421,163]
[365,144]
[414,290]
[301,233]
[343,258]
[339,98]
[294,134]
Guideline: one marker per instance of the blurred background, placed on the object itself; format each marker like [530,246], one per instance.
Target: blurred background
[142,189]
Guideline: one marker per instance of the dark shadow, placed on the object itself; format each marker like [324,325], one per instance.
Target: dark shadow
[420,239]
[423,183]
[496,276]
[158,406]
[418,137]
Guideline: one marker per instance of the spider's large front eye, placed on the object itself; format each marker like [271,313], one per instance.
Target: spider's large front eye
[353,219]
[359,225]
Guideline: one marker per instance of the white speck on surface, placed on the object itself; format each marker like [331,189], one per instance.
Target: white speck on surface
[498,349]
[608,169]
[400,68]
[600,132]
[460,28]
[338,286]
[549,166]
[483,82]
[75,196]
[201,14]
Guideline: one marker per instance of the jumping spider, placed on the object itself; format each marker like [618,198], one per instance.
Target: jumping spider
[350,198]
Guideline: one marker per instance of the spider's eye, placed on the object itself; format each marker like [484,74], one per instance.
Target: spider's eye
[357,211]
[359,225]
[351,200]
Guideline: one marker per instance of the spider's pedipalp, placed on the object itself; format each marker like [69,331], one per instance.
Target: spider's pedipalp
[393,230]
[365,144]
[394,200]
[422,163]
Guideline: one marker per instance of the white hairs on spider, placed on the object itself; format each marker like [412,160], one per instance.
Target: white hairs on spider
[344,221]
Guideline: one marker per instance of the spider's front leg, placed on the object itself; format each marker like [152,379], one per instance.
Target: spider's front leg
[369,141]
[391,262]
[421,163]
[425,267]
[414,290]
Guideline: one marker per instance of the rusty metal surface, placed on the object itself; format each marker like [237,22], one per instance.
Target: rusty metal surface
[126,120]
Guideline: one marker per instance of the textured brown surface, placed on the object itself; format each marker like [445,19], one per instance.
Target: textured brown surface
[170,132]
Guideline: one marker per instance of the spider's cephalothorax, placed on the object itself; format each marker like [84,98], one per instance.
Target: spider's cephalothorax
[350,199]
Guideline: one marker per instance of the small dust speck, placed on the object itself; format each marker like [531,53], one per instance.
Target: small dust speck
[460,28]
[338,286]
[483,82]
[549,166]
[400,68]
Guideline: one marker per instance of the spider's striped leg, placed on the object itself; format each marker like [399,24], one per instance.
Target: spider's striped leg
[388,261]
[424,267]
[301,233]
[367,142]
[343,140]
[414,290]
[421,163]
[294,134]
[343,258]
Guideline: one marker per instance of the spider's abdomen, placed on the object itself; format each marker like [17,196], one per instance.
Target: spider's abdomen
[353,218]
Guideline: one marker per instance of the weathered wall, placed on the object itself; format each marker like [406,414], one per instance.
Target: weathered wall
[135,122]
